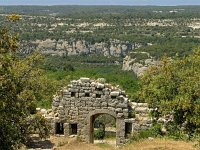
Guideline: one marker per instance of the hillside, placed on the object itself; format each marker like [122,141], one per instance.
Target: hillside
[79,71]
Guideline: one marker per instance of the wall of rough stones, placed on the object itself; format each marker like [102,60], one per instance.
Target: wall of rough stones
[83,100]
[141,119]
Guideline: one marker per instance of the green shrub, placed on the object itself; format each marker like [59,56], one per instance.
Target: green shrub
[155,131]
[176,133]
[99,134]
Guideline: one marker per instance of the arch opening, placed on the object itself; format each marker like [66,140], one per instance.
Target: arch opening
[103,128]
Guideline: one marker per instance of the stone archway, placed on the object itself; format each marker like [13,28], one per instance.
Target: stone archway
[90,123]
[77,105]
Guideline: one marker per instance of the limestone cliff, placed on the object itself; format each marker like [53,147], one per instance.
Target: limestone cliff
[139,62]
[62,47]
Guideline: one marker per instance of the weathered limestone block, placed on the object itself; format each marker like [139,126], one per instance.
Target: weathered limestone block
[98,92]
[55,104]
[130,120]
[125,110]
[56,98]
[121,98]
[119,115]
[81,94]
[125,114]
[122,105]
[112,104]
[74,82]
[101,80]
[142,104]
[85,79]
[104,104]
[114,93]
[111,109]
[61,114]
[100,86]
[67,96]
[63,102]
[65,91]
[73,90]
[69,86]
[118,110]
[106,92]
[93,84]
[97,104]
[38,109]
[141,109]
[134,104]
[43,111]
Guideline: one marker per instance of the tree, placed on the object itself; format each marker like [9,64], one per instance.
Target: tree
[19,88]
[174,88]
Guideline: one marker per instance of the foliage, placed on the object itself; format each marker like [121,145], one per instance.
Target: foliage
[107,120]
[139,56]
[99,133]
[175,88]
[20,86]
[154,131]
[169,47]
[86,66]
[176,132]
[38,124]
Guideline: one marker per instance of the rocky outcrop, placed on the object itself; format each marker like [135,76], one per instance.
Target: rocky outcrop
[61,47]
[139,62]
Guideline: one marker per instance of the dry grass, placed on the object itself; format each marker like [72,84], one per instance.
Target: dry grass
[63,143]
[73,144]
[161,144]
[156,144]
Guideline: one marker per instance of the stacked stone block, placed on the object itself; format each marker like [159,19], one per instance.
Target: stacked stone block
[142,119]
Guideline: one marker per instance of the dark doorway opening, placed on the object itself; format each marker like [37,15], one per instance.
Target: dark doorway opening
[74,129]
[128,129]
[87,94]
[73,94]
[60,128]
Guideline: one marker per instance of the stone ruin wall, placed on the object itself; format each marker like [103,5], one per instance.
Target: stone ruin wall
[85,98]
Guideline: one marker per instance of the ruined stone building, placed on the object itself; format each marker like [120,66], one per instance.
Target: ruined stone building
[77,105]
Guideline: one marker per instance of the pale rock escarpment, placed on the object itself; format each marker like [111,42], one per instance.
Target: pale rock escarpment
[139,65]
[62,47]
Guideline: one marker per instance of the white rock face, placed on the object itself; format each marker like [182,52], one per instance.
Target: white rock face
[62,47]
[139,67]
[48,43]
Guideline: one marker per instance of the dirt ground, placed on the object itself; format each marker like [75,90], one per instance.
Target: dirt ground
[63,143]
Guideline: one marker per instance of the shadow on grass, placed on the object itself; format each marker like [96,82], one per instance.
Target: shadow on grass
[38,143]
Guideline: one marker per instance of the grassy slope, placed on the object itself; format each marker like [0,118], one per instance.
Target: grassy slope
[112,73]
